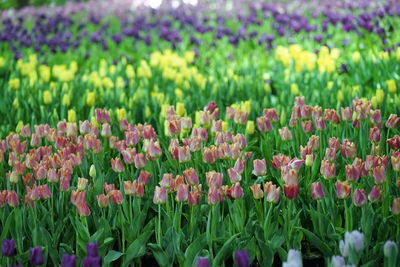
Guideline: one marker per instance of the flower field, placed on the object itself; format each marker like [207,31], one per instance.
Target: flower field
[200,133]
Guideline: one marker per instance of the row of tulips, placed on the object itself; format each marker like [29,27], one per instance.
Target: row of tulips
[191,192]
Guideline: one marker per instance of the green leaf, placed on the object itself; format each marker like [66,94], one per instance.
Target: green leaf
[7,225]
[137,248]
[267,254]
[224,251]
[193,250]
[111,256]
[317,242]
[160,255]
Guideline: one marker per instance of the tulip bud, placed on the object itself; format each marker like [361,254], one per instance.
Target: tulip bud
[396,206]
[257,191]
[182,193]
[375,194]
[309,160]
[260,167]
[359,198]
[159,195]
[343,189]
[92,171]
[316,191]
[36,256]
[82,182]
[242,258]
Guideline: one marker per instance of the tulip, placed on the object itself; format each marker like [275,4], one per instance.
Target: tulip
[379,173]
[390,249]
[102,200]
[214,179]
[263,124]
[328,170]
[309,160]
[182,193]
[374,135]
[316,191]
[82,183]
[285,134]
[234,176]
[8,248]
[166,181]
[235,191]
[90,261]
[106,130]
[272,192]
[293,259]
[239,165]
[191,176]
[354,239]
[260,167]
[320,124]
[116,197]
[395,159]
[242,258]
[375,194]
[92,171]
[257,191]
[396,206]
[307,126]
[352,173]
[194,198]
[392,121]
[348,149]
[184,154]
[144,177]
[359,198]
[291,191]
[117,165]
[82,208]
[338,261]
[215,195]
[313,142]
[36,256]
[159,195]
[12,198]
[289,175]
[347,113]
[68,261]
[343,189]
[140,161]
[203,262]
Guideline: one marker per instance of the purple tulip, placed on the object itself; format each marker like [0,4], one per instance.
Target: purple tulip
[68,261]
[8,248]
[203,262]
[91,261]
[242,258]
[36,256]
[92,249]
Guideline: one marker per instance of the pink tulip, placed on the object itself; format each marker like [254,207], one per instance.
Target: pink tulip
[140,161]
[182,193]
[374,135]
[117,165]
[184,154]
[285,134]
[263,124]
[392,121]
[291,191]
[348,149]
[307,126]
[166,181]
[347,113]
[352,173]
[191,176]
[379,174]
[316,191]
[375,194]
[102,200]
[234,176]
[328,170]
[260,167]
[396,206]
[343,189]
[359,198]
[272,192]
[235,191]
[144,177]
[214,179]
[395,159]
[215,195]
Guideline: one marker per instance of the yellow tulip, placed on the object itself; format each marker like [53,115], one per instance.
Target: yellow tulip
[250,127]
[71,115]
[391,84]
[90,99]
[47,97]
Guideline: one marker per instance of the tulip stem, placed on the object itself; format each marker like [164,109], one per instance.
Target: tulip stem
[159,225]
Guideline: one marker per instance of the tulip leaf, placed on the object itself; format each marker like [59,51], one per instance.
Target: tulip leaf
[225,250]
[316,241]
[193,250]
[160,255]
[138,247]
[111,256]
